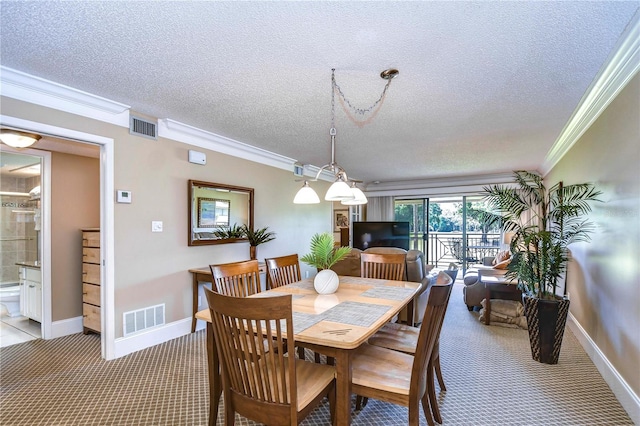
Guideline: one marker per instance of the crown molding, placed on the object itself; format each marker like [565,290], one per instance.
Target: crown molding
[28,88]
[171,129]
[468,184]
[622,65]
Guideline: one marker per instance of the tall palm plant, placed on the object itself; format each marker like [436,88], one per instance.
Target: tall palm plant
[539,246]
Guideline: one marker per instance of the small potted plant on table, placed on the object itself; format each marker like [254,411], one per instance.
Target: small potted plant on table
[257,237]
[323,256]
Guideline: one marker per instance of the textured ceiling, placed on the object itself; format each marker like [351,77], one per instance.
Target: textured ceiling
[483,87]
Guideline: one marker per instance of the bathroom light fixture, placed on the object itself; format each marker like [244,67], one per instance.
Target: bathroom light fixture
[342,189]
[17,139]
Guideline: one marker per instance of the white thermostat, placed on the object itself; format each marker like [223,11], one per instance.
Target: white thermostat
[196,157]
[124,196]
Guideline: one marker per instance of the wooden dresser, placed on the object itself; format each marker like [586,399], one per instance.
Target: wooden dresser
[91,280]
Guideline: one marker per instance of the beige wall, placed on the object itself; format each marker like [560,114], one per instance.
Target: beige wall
[151,268]
[604,279]
[75,204]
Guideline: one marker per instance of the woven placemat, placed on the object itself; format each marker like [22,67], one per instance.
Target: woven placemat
[356,313]
[389,293]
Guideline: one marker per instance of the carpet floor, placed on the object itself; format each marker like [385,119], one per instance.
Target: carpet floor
[490,378]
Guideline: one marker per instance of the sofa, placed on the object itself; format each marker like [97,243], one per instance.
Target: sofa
[416,270]
[474,291]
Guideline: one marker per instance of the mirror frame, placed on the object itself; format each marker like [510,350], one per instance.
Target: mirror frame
[192,204]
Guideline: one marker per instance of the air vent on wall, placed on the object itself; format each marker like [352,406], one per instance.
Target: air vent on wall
[134,321]
[142,127]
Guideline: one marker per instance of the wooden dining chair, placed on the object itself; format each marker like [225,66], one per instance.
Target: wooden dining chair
[282,270]
[404,338]
[264,383]
[404,379]
[238,279]
[388,266]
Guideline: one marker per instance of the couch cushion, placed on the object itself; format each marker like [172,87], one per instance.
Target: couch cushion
[501,256]
[502,265]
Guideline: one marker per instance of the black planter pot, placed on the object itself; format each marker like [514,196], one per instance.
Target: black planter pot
[546,320]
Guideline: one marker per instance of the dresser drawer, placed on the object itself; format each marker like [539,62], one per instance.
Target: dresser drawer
[91,317]
[91,273]
[91,239]
[91,294]
[91,255]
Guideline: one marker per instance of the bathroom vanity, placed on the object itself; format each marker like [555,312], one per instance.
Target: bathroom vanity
[30,290]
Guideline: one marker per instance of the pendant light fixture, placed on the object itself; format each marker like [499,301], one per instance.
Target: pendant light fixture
[17,139]
[342,189]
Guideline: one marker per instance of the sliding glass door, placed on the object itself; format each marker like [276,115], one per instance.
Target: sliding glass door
[450,231]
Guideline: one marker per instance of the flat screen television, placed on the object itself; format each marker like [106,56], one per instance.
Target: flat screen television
[380,234]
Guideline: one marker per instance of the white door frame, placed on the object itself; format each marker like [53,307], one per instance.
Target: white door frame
[106,223]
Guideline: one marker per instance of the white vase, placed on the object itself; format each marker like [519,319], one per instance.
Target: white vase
[326,282]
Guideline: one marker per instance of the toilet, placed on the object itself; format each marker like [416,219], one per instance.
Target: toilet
[10,299]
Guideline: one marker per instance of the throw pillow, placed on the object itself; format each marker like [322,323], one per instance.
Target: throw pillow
[501,256]
[502,265]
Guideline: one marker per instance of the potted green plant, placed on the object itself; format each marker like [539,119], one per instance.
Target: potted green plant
[544,222]
[257,237]
[232,232]
[323,256]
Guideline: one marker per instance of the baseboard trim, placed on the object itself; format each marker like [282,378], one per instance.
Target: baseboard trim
[628,399]
[155,336]
[66,327]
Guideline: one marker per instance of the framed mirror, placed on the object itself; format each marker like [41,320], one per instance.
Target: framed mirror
[217,211]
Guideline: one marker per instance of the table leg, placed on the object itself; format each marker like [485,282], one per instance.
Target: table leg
[194,303]
[343,387]
[410,317]
[215,387]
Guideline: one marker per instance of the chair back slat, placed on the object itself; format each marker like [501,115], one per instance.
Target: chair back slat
[238,279]
[250,339]
[429,335]
[388,266]
[282,270]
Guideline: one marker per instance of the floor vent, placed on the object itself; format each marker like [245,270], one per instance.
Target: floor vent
[142,319]
[142,127]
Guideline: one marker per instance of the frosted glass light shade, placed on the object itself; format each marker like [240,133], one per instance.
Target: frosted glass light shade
[306,195]
[359,197]
[339,191]
[18,139]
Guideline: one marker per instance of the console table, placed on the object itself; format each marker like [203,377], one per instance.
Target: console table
[500,288]
[203,275]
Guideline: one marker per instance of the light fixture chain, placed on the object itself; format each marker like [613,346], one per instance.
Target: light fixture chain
[361,111]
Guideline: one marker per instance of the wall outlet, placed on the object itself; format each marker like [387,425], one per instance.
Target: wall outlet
[306,274]
[199,300]
[156,226]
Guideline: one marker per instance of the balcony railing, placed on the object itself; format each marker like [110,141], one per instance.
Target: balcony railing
[443,248]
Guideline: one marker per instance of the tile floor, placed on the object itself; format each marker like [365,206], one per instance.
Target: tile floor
[18,330]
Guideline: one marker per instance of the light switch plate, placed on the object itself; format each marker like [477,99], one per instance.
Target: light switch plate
[123,196]
[156,226]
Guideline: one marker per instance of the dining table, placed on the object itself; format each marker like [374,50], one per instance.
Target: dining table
[331,324]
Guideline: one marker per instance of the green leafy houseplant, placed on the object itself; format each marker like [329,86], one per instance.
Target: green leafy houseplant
[233,231]
[557,219]
[258,236]
[323,253]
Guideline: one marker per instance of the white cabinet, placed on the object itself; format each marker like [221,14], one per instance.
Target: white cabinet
[31,293]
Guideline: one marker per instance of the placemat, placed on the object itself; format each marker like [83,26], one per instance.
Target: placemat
[302,321]
[355,313]
[389,293]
